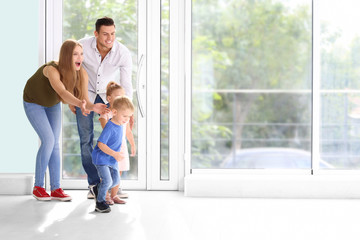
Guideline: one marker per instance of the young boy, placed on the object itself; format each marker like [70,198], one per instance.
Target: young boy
[106,153]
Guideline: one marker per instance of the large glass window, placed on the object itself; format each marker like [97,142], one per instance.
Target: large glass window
[79,19]
[251,84]
[339,88]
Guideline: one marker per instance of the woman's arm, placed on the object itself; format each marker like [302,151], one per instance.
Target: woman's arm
[99,108]
[54,78]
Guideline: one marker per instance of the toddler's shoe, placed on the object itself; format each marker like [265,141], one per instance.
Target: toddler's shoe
[58,194]
[122,194]
[40,194]
[109,201]
[102,207]
[116,199]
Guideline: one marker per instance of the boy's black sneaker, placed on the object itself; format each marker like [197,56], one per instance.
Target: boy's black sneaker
[94,191]
[102,207]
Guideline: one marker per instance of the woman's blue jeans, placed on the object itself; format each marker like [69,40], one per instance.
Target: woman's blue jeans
[110,178]
[47,123]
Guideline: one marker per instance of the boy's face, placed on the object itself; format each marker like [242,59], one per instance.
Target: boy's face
[123,116]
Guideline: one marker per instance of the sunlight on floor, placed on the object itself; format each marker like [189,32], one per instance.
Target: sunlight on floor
[161,215]
[58,214]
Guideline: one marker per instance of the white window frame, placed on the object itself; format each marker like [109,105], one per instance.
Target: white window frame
[176,89]
[314,182]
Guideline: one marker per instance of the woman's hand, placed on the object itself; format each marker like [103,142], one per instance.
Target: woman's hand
[100,108]
[83,108]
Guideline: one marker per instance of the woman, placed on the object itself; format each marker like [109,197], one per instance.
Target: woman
[63,81]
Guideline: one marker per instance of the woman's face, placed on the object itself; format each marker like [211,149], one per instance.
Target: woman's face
[78,57]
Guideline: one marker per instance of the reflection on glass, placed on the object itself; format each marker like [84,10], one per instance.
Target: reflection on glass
[164,128]
[340,85]
[251,83]
[79,19]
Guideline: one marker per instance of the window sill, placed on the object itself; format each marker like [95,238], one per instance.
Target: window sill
[272,186]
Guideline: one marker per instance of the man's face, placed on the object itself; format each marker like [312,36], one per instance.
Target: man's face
[105,37]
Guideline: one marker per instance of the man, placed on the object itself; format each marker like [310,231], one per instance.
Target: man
[105,60]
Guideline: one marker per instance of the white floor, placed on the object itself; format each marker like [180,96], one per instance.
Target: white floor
[163,215]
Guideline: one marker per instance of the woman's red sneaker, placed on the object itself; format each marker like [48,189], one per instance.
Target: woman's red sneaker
[58,194]
[40,194]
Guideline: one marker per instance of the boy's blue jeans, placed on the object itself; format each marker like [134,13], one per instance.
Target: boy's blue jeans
[110,177]
[47,123]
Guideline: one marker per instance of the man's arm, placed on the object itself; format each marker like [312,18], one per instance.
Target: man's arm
[126,73]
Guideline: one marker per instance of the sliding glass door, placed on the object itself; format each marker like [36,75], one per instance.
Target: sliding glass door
[78,21]
[144,27]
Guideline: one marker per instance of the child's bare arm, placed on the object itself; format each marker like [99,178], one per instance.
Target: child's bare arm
[102,122]
[103,147]
[131,140]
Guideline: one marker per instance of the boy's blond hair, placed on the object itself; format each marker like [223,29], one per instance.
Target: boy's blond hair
[122,103]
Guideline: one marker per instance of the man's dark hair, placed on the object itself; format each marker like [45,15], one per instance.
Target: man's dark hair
[105,21]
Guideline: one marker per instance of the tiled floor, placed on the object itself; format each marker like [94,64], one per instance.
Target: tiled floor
[162,215]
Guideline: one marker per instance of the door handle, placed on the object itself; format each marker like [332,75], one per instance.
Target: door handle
[142,113]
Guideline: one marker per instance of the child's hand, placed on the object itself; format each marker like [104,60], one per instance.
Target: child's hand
[119,156]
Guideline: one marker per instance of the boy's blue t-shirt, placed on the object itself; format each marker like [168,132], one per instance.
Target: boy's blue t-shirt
[112,137]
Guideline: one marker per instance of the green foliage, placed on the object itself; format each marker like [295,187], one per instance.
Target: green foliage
[80,17]
[241,44]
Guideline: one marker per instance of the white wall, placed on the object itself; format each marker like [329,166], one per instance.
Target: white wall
[19,60]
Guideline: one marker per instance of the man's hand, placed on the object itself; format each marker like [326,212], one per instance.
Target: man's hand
[72,109]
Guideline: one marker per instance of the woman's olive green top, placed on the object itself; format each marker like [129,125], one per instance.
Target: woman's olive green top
[38,89]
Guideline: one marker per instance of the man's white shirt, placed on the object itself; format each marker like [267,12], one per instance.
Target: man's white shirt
[116,66]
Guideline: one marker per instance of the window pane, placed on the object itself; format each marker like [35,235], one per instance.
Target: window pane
[164,149]
[79,19]
[251,84]
[340,74]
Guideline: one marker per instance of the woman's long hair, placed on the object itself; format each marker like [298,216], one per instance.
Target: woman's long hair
[72,79]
